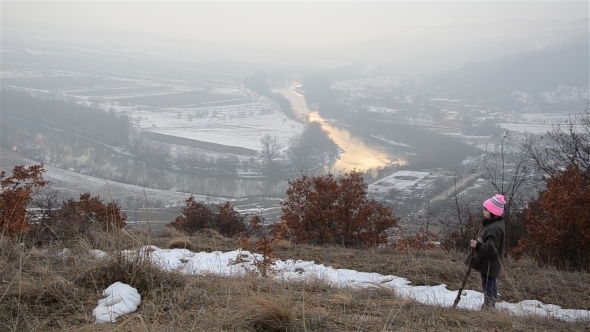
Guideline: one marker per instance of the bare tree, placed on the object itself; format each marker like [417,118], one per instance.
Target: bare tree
[461,224]
[271,148]
[564,146]
[509,173]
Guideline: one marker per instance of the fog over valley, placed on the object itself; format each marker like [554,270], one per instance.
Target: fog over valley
[147,103]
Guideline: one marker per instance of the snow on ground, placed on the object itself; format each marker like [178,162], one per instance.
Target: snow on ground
[240,125]
[62,181]
[399,180]
[239,120]
[540,123]
[543,118]
[32,72]
[70,184]
[120,299]
[527,127]
[97,254]
[240,262]
[380,109]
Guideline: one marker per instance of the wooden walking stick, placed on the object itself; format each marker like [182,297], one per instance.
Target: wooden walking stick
[458,298]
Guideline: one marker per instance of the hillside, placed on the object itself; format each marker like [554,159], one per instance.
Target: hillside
[431,50]
[51,289]
[531,72]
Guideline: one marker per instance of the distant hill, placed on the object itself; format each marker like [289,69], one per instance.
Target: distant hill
[532,72]
[433,50]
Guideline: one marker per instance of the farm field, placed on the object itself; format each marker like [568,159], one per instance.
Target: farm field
[217,112]
[182,99]
[120,92]
[62,83]
[232,125]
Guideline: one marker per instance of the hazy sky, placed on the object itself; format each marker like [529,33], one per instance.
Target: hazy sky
[321,25]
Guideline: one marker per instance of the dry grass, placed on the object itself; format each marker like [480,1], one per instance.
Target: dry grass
[180,243]
[520,280]
[284,245]
[41,290]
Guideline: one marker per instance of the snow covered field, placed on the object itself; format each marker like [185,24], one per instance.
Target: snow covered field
[401,180]
[217,112]
[240,125]
[527,127]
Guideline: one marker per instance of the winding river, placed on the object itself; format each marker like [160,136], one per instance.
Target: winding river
[361,153]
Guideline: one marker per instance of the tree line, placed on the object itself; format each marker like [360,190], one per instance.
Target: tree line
[258,82]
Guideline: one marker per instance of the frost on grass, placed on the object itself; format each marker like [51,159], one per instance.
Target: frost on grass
[120,299]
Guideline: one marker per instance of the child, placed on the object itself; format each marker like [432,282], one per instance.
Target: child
[489,248]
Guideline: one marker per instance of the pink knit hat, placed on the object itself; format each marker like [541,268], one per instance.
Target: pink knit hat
[495,204]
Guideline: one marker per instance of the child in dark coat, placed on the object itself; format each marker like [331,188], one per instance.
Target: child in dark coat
[489,248]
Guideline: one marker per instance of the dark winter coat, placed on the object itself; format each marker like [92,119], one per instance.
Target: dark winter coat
[489,251]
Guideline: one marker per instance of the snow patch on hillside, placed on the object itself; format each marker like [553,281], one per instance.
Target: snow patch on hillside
[240,262]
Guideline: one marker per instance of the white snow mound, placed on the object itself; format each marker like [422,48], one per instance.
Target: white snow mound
[120,299]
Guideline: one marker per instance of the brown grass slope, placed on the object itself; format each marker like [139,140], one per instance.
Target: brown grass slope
[43,290]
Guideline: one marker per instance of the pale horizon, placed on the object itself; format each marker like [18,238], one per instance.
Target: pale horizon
[318,26]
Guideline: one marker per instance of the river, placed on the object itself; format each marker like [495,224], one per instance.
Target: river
[360,152]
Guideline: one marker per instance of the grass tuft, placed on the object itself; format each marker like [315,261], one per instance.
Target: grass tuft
[266,313]
[180,243]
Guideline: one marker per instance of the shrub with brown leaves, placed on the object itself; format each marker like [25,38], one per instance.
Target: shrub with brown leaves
[76,218]
[557,222]
[196,215]
[89,209]
[17,191]
[335,210]
[266,243]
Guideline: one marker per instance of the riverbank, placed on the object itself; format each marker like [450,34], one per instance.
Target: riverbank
[358,151]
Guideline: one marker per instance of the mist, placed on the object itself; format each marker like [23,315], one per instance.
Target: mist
[372,33]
